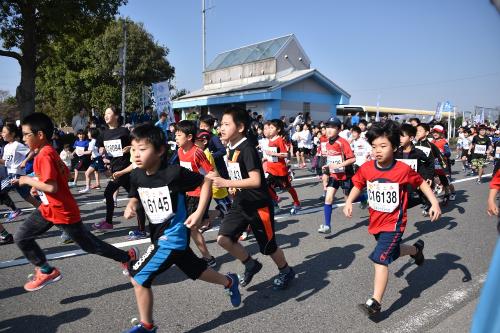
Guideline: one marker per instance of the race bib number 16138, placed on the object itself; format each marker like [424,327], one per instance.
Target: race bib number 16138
[383,197]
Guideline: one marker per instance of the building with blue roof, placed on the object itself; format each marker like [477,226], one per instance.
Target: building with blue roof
[273,78]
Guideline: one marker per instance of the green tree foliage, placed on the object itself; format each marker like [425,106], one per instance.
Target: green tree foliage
[28,27]
[80,73]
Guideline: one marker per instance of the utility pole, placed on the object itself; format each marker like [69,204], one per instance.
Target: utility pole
[124,62]
[204,35]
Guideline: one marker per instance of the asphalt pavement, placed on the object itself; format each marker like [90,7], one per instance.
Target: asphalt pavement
[334,274]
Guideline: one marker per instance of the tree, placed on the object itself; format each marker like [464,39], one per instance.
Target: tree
[80,73]
[4,94]
[179,93]
[27,27]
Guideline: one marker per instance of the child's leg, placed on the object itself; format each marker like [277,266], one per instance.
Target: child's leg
[380,281]
[97,178]
[327,209]
[88,173]
[407,250]
[144,299]
[7,201]
[279,258]
[199,240]
[75,177]
[212,276]
[233,247]
[32,227]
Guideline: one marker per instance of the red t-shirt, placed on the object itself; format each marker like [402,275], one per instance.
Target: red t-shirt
[321,151]
[339,151]
[440,143]
[59,207]
[395,179]
[495,181]
[195,160]
[276,166]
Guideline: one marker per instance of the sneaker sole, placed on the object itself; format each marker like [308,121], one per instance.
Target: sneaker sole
[365,311]
[46,283]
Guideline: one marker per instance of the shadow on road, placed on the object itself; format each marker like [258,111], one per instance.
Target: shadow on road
[426,227]
[42,324]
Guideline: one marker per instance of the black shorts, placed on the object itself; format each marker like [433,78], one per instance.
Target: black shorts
[158,259]
[306,151]
[80,163]
[346,185]
[282,182]
[260,219]
[444,180]
[465,153]
[192,204]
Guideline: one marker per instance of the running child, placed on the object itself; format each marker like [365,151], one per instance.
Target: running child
[362,151]
[387,180]
[58,207]
[81,159]
[480,148]
[251,205]
[440,142]
[277,168]
[162,191]
[465,144]
[66,155]
[96,162]
[339,157]
[193,158]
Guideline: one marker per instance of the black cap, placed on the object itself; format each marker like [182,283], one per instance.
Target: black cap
[334,122]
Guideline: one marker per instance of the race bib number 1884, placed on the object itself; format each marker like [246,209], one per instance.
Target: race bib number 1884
[157,203]
[383,197]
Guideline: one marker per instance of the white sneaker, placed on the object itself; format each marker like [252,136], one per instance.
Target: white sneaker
[85,190]
[324,229]
[71,184]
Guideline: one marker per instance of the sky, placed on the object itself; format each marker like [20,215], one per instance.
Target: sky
[407,54]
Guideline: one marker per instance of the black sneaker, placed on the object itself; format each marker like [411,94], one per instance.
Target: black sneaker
[9,239]
[419,256]
[370,308]
[247,276]
[211,262]
[283,280]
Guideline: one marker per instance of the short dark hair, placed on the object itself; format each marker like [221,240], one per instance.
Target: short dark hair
[187,127]
[80,131]
[39,122]
[356,129]
[240,117]
[408,130]
[152,134]
[279,125]
[425,126]
[94,132]
[415,119]
[163,114]
[12,128]
[389,129]
[207,119]
[364,122]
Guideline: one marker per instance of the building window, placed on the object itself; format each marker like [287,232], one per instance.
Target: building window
[306,107]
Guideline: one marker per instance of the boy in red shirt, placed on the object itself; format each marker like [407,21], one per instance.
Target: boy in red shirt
[277,169]
[58,207]
[339,155]
[193,158]
[386,180]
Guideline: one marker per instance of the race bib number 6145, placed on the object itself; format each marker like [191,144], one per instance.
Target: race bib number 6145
[157,203]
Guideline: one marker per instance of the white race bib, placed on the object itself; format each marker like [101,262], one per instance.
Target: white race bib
[272,158]
[383,197]
[497,152]
[114,147]
[186,165]
[337,159]
[323,148]
[233,168]
[157,203]
[412,163]
[41,195]
[79,150]
[480,149]
[426,150]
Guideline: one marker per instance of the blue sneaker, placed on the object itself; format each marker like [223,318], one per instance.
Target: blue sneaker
[283,280]
[139,328]
[234,291]
[13,214]
[137,234]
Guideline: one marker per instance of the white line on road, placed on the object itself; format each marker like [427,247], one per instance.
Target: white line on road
[67,254]
[438,308]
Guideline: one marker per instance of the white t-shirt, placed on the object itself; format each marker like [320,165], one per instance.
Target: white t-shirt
[345,134]
[361,149]
[306,139]
[13,155]
[66,157]
[93,148]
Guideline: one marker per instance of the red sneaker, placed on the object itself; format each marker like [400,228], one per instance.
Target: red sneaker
[133,253]
[38,280]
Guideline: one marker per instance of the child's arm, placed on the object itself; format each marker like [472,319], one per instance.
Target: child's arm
[28,158]
[120,173]
[253,181]
[435,210]
[355,192]
[130,210]
[205,197]
[49,187]
[492,202]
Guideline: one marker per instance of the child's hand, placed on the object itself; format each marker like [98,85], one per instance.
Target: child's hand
[218,181]
[192,220]
[130,211]
[33,192]
[348,209]
[434,212]
[15,182]
[492,208]
[116,175]
[22,165]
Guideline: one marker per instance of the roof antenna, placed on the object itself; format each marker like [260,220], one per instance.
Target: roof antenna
[204,32]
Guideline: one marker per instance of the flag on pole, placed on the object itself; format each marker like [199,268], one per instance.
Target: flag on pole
[377,116]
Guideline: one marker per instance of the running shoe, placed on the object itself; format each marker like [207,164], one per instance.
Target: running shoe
[95,187]
[133,254]
[139,328]
[85,190]
[38,280]
[65,238]
[324,229]
[371,307]
[12,215]
[282,281]
[295,209]
[137,234]
[9,239]
[478,181]
[248,275]
[211,261]
[419,256]
[102,226]
[233,291]
[71,184]
[244,236]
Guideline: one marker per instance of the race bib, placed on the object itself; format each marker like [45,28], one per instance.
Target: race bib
[114,147]
[157,203]
[323,147]
[41,195]
[337,159]
[383,197]
[480,149]
[79,151]
[272,158]
[412,163]
[233,168]
[497,152]
[426,150]
[186,165]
